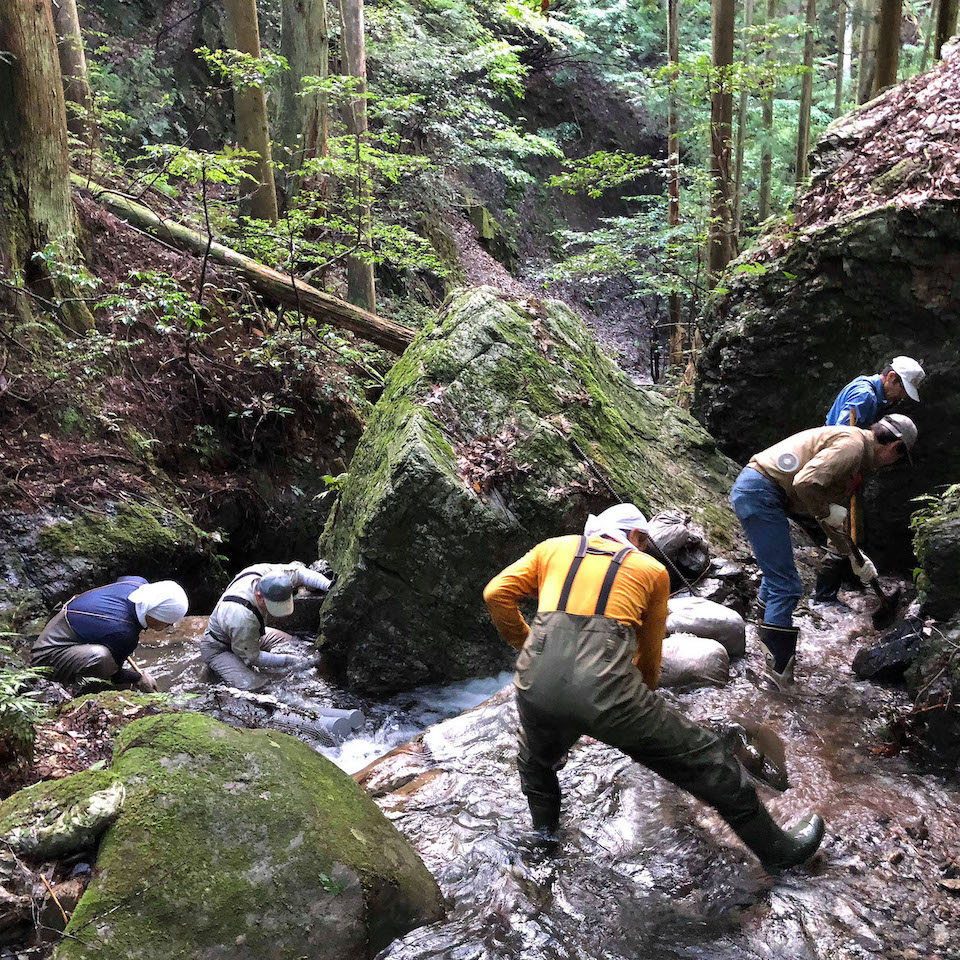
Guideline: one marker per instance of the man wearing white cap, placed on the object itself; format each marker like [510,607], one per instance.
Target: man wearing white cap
[95,632]
[869,398]
[237,639]
[861,403]
[589,664]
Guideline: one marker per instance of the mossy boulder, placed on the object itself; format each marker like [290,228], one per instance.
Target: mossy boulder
[502,424]
[933,681]
[936,542]
[234,844]
[48,556]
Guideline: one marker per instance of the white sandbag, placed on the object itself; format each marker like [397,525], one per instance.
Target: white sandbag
[704,618]
[691,661]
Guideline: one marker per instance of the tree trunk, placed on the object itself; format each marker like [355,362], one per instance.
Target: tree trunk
[305,42]
[888,45]
[741,125]
[932,15]
[73,67]
[721,117]
[360,285]
[269,283]
[868,43]
[841,52]
[250,107]
[673,176]
[806,95]
[38,214]
[946,24]
[766,156]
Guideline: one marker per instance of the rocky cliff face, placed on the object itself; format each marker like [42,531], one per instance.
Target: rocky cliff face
[869,268]
[503,424]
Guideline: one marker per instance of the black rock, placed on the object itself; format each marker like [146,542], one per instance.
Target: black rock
[888,662]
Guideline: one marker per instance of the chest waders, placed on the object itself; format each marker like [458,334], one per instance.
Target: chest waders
[575,675]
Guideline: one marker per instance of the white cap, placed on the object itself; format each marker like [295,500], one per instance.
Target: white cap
[910,373]
[616,522]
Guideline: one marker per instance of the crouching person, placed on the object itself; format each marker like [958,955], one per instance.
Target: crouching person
[95,632]
[237,644]
[589,665]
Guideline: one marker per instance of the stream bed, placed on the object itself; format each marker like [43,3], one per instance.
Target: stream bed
[641,870]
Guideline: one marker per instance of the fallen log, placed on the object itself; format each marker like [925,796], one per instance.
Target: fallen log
[269,283]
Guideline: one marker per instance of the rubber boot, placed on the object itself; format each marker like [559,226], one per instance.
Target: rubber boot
[829,580]
[761,610]
[545,814]
[780,647]
[780,849]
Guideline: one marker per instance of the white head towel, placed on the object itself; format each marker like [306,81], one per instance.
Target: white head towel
[164,601]
[616,522]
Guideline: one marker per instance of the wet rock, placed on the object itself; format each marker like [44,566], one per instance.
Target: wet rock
[704,618]
[888,662]
[502,425]
[233,843]
[692,661]
[933,680]
[936,542]
[681,545]
[62,900]
[846,289]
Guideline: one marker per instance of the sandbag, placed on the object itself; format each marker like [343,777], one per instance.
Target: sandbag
[704,618]
[691,661]
[683,543]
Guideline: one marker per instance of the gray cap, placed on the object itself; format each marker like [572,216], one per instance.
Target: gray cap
[903,428]
[277,592]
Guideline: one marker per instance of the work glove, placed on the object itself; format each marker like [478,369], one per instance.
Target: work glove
[147,683]
[866,571]
[834,522]
[315,581]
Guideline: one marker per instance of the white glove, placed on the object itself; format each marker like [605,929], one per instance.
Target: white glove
[147,683]
[866,571]
[834,521]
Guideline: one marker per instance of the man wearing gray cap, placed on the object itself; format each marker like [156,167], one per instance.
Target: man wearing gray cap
[811,472]
[237,639]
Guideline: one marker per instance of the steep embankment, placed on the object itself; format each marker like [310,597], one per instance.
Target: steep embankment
[867,270]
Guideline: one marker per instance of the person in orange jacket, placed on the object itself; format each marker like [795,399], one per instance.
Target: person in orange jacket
[589,664]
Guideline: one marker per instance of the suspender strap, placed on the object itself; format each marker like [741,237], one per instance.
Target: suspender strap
[572,574]
[611,575]
[252,607]
[243,576]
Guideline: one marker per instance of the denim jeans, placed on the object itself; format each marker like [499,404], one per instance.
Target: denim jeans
[761,506]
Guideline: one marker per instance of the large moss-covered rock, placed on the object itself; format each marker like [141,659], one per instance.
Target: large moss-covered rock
[48,556]
[933,680]
[502,424]
[234,844]
[869,268]
[936,543]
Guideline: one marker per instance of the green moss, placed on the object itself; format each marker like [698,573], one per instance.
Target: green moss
[230,840]
[133,529]
[49,796]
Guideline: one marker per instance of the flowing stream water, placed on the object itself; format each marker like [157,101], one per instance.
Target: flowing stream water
[640,869]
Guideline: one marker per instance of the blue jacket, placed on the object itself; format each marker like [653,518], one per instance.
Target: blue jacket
[107,616]
[865,397]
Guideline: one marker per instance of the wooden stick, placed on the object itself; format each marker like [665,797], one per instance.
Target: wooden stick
[56,900]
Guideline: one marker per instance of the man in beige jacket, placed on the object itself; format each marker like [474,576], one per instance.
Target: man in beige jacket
[812,472]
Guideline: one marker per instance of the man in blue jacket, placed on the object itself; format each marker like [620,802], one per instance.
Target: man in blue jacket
[95,632]
[862,403]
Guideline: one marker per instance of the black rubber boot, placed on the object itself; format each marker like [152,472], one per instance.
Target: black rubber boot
[545,815]
[761,610]
[780,647]
[833,571]
[780,849]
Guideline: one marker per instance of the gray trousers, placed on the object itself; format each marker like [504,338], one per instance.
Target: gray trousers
[575,675]
[230,668]
[60,648]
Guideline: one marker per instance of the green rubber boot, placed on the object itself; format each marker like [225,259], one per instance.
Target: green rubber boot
[780,849]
